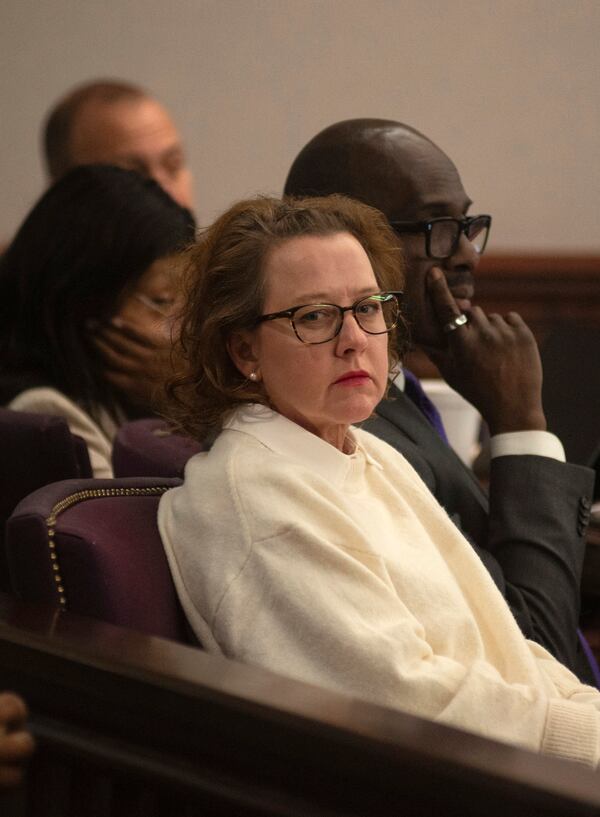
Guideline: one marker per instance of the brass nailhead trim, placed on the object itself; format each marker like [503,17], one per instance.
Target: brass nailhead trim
[73,499]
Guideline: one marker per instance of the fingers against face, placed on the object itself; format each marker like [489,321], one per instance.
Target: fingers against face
[15,750]
[131,353]
[16,745]
[501,329]
[128,336]
[120,355]
[444,304]
[13,711]
[135,364]
[480,327]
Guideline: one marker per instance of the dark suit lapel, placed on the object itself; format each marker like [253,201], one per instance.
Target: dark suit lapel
[402,412]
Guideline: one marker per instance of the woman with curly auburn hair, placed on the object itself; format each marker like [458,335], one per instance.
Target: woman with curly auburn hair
[307,546]
[224,292]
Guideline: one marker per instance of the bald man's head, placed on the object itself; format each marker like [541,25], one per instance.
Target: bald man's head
[401,172]
[381,162]
[112,122]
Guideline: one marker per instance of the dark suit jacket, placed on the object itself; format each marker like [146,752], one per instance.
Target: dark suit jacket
[529,532]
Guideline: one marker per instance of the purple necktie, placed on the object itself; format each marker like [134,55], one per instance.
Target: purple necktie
[414,391]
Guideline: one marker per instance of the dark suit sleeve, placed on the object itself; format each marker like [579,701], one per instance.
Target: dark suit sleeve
[539,509]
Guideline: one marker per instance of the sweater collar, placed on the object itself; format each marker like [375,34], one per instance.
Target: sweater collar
[291,440]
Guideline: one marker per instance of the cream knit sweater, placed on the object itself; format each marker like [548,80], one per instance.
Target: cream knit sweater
[343,571]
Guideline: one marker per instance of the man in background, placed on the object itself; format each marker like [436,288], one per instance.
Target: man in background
[114,122]
[529,532]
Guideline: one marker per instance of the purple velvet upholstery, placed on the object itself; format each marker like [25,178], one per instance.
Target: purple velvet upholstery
[109,555]
[35,449]
[146,448]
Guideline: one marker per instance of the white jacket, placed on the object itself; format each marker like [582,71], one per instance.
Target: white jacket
[343,571]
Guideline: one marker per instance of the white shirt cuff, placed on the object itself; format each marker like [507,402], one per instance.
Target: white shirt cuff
[398,379]
[538,443]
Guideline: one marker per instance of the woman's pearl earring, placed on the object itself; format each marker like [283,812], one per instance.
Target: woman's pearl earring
[253,376]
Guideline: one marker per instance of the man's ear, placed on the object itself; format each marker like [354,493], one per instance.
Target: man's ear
[242,348]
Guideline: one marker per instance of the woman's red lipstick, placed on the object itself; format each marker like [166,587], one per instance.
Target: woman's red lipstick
[355,378]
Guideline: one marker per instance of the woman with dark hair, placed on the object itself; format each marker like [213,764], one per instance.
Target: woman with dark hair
[86,287]
[305,545]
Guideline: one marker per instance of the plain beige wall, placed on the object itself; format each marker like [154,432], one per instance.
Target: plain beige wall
[509,88]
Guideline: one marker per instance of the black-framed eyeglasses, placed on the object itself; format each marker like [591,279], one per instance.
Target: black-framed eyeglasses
[443,234]
[318,323]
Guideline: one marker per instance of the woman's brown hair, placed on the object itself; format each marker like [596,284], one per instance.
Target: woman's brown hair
[224,293]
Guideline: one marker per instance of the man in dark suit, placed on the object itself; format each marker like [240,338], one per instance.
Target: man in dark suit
[529,531]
